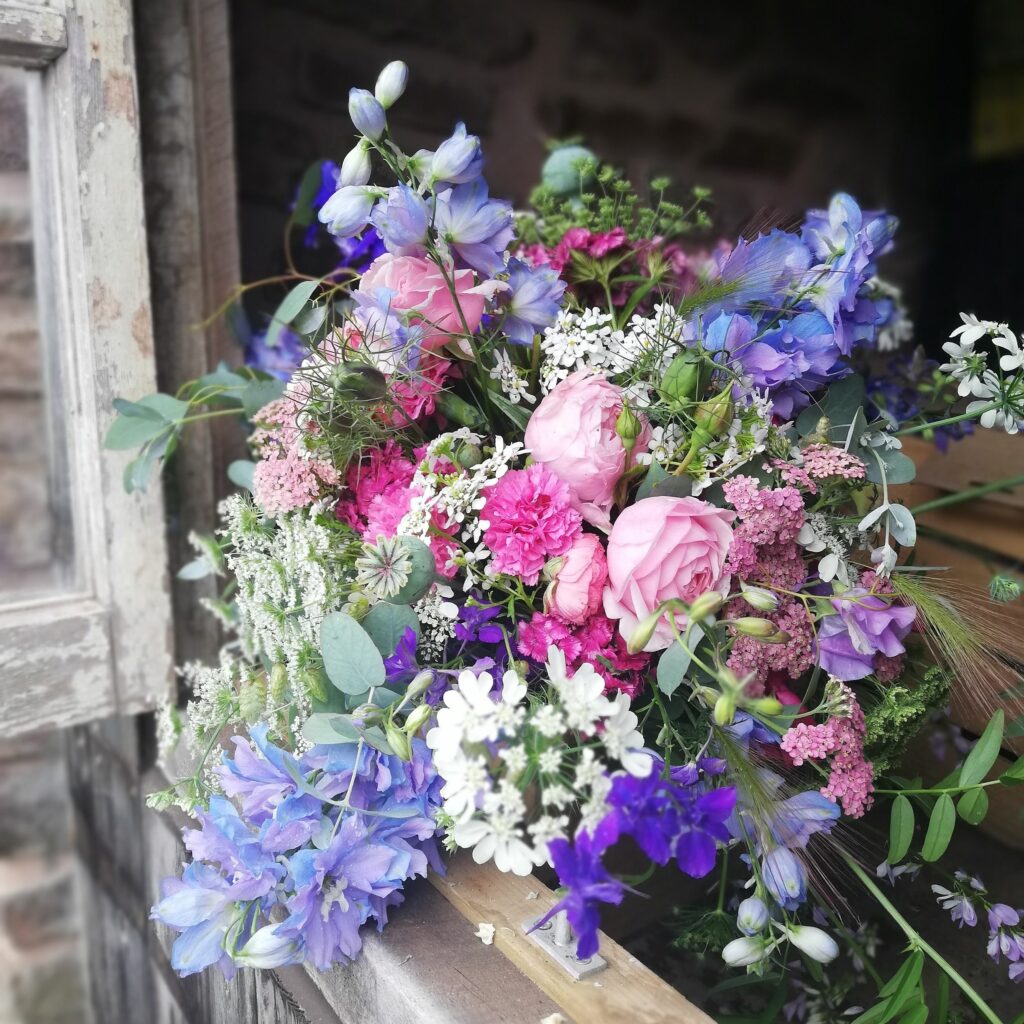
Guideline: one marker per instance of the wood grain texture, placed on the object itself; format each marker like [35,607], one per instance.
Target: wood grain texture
[626,992]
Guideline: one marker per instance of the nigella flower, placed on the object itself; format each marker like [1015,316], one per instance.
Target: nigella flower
[383,567]
[536,297]
[588,882]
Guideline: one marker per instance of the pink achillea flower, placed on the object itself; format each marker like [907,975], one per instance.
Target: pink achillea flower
[530,519]
[768,515]
[822,461]
[851,781]
[288,476]
[751,657]
[888,670]
[795,476]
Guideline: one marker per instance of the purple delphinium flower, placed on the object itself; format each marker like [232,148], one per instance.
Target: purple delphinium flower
[536,297]
[281,359]
[458,159]
[580,870]
[765,270]
[794,820]
[475,622]
[401,666]
[785,877]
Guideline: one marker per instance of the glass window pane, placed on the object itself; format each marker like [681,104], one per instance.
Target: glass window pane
[35,535]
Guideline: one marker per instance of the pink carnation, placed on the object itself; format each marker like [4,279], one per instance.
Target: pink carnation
[530,518]
[287,475]
[541,632]
[416,396]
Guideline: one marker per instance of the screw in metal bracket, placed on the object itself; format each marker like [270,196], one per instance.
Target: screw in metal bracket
[555,937]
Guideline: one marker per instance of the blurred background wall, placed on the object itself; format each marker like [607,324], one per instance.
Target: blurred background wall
[914,106]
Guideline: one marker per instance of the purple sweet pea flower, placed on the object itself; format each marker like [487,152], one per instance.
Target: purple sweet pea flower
[536,298]
[866,625]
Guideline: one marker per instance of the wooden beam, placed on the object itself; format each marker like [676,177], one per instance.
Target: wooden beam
[626,992]
[31,36]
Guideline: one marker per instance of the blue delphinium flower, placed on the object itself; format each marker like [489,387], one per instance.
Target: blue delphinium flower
[478,229]
[457,160]
[536,297]
[402,219]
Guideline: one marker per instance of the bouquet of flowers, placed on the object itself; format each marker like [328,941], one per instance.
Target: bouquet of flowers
[558,534]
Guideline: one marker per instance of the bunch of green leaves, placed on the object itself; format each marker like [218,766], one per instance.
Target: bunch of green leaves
[900,714]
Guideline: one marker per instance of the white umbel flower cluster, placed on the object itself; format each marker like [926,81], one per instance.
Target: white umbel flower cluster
[484,798]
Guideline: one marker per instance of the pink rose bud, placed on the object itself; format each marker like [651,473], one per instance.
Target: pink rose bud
[664,549]
[578,583]
[574,433]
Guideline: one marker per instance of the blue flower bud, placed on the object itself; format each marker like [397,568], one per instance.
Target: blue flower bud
[391,83]
[458,159]
[347,211]
[367,114]
[752,916]
[355,168]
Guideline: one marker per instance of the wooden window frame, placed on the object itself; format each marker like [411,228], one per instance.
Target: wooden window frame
[101,647]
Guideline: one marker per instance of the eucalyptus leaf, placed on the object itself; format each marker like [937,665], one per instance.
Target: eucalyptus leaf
[655,472]
[294,302]
[309,187]
[240,473]
[199,568]
[674,663]
[259,393]
[386,625]
[984,753]
[133,431]
[223,377]
[351,659]
[940,828]
[902,527]
[330,728]
[310,319]
[898,468]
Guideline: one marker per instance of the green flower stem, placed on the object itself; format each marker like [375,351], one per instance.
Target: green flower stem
[916,942]
[209,415]
[938,792]
[1006,484]
[948,421]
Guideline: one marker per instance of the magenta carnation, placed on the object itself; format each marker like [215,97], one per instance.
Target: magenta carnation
[529,519]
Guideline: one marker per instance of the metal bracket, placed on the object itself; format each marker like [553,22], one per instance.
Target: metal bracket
[555,937]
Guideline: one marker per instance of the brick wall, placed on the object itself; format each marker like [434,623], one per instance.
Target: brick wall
[773,105]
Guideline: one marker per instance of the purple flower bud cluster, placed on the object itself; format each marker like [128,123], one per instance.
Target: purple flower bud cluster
[311,848]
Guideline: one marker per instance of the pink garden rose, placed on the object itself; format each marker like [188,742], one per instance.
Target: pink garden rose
[417,287]
[663,548]
[575,592]
[572,432]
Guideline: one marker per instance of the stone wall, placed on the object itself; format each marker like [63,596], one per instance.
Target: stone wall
[773,105]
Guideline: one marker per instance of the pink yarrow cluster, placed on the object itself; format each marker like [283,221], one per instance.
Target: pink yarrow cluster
[288,476]
[841,738]
[822,461]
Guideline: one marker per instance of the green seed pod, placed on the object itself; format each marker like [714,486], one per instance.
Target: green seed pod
[629,427]
[681,383]
[252,700]
[398,741]
[469,455]
[766,706]
[356,380]
[748,625]
[725,710]
[278,682]
[422,573]
[315,684]
[419,717]
[569,170]
[708,603]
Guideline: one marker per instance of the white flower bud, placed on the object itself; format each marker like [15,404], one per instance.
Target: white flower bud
[817,944]
[759,598]
[746,951]
[355,168]
[391,83]
[752,916]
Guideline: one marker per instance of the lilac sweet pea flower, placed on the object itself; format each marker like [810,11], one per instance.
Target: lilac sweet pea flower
[865,625]
[536,298]
[477,228]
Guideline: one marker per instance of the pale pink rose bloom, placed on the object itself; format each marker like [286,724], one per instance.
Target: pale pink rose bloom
[572,432]
[663,548]
[575,592]
[419,289]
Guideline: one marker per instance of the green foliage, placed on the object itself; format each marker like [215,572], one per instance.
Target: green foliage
[351,659]
[899,716]
[386,624]
[612,203]
[901,829]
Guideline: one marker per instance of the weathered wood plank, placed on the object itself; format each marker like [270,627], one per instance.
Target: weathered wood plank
[626,992]
[31,36]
